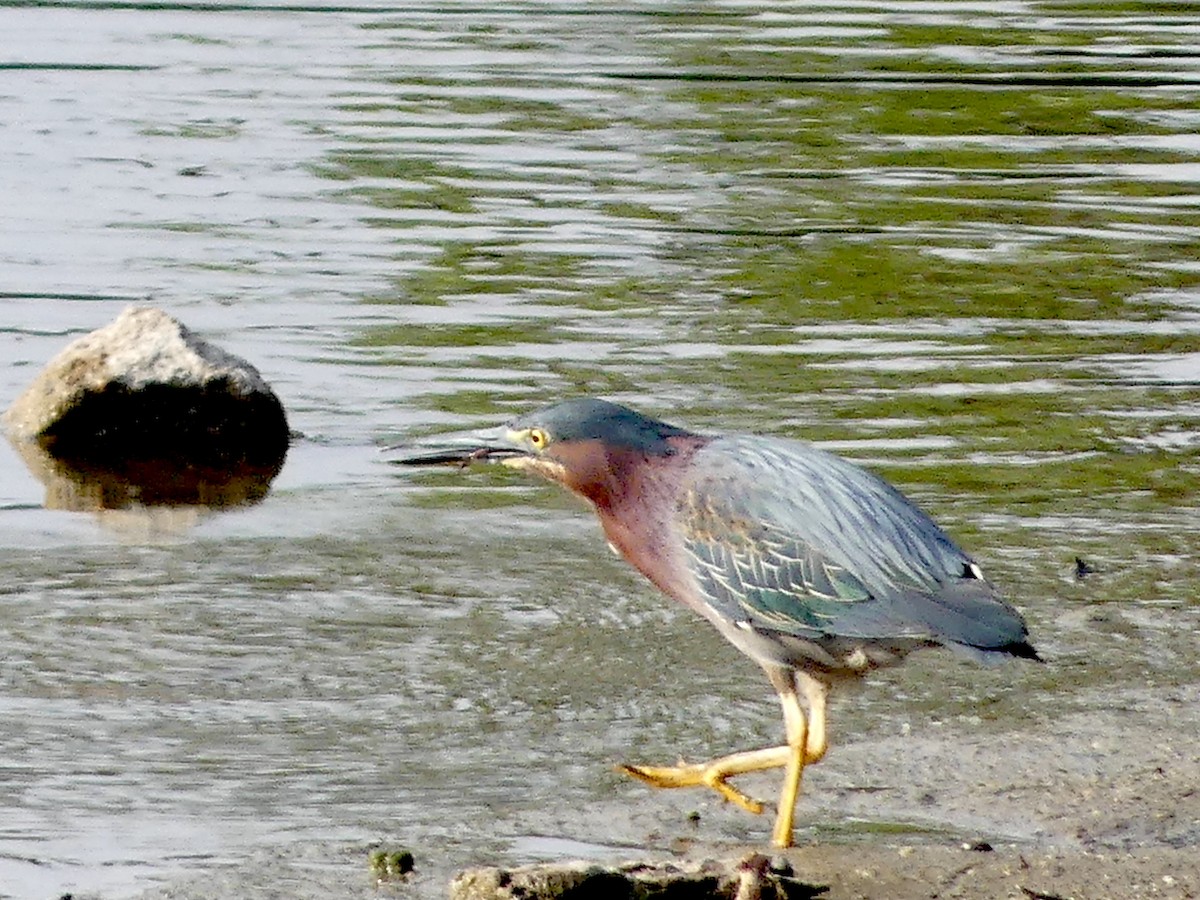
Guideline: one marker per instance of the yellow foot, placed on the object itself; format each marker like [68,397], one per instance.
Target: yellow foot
[715,774]
[699,775]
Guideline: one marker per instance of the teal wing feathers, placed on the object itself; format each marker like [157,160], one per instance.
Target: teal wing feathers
[783,537]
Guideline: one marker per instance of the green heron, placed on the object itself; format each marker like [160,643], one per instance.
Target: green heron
[816,569]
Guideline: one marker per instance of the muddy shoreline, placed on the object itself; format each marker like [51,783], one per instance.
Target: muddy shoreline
[1092,806]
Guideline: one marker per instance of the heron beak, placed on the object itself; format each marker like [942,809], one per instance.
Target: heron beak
[492,445]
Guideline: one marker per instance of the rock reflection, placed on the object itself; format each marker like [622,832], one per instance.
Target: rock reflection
[75,484]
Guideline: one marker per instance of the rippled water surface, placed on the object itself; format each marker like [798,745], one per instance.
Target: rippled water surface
[957,242]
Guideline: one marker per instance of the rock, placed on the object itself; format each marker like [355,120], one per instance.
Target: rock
[143,411]
[146,382]
[750,878]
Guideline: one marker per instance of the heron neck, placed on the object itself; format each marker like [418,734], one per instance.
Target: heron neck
[636,510]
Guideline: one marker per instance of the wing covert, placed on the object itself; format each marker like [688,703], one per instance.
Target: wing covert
[781,535]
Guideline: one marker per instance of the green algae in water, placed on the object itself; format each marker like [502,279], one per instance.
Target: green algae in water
[391,865]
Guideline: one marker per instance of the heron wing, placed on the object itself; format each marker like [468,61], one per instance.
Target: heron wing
[785,537]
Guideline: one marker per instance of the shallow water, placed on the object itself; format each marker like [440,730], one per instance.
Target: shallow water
[954,241]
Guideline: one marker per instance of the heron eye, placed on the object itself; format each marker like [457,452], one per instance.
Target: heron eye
[538,438]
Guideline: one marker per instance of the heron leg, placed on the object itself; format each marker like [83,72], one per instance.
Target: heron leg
[805,737]
[806,743]
[796,727]
[816,694]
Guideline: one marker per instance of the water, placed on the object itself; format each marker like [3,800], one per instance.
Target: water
[954,241]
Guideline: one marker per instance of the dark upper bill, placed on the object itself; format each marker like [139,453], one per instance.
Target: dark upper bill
[457,449]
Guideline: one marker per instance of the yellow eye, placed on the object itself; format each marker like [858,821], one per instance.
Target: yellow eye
[538,439]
